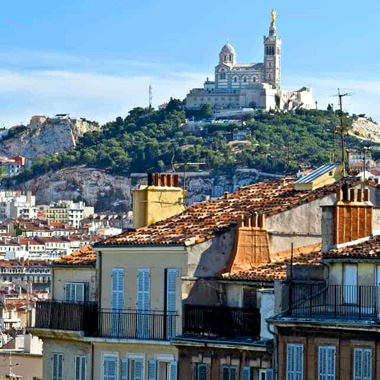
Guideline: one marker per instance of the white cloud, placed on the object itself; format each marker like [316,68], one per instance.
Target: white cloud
[95,96]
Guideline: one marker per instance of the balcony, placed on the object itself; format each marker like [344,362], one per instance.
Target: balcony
[119,324]
[334,301]
[221,321]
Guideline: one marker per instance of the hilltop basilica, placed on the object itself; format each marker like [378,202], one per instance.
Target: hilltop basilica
[256,85]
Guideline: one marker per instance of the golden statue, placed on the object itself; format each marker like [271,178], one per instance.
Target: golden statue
[273,15]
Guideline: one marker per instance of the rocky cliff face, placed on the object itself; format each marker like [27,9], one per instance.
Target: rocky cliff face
[52,136]
[114,193]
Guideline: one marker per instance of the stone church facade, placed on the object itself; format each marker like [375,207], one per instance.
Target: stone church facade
[256,85]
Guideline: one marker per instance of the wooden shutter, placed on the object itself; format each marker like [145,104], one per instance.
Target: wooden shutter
[294,362]
[110,368]
[269,374]
[143,289]
[79,292]
[83,368]
[138,369]
[124,369]
[202,372]
[225,372]
[362,364]
[326,363]
[358,360]
[246,373]
[171,298]
[173,370]
[233,373]
[152,369]
[77,368]
[117,298]
[367,364]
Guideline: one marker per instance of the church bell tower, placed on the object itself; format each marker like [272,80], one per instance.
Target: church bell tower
[272,55]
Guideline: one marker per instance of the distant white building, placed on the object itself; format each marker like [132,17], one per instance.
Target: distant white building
[15,204]
[256,85]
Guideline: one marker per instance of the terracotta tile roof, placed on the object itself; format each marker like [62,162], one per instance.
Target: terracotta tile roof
[367,250]
[84,256]
[277,268]
[205,220]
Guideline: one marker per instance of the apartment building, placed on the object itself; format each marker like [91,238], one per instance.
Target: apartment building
[329,324]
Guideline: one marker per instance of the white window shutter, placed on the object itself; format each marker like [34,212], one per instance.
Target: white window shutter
[110,368]
[246,373]
[117,298]
[79,292]
[294,361]
[171,281]
[173,370]
[143,289]
[124,369]
[152,369]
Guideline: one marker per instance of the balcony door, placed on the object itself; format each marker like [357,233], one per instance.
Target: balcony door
[350,282]
[143,303]
[171,299]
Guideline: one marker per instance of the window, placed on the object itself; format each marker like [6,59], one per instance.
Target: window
[362,364]
[201,371]
[136,369]
[57,366]
[75,292]
[326,363]
[229,372]
[143,303]
[222,75]
[245,79]
[294,362]
[110,367]
[80,367]
[117,296]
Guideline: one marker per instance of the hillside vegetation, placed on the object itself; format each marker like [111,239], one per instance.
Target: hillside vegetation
[148,140]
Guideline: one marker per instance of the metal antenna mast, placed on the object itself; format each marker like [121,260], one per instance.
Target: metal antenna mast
[150,96]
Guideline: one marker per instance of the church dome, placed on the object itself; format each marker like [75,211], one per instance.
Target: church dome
[228,49]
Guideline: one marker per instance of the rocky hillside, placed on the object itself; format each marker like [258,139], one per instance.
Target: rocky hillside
[114,193]
[48,137]
[366,129]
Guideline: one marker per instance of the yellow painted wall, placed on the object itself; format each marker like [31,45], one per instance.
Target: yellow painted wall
[61,275]
[154,203]
[326,179]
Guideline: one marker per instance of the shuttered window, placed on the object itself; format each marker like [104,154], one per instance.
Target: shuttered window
[201,371]
[57,366]
[246,373]
[229,372]
[294,362]
[326,363]
[117,296]
[143,303]
[76,291]
[124,369]
[80,368]
[136,369]
[110,367]
[362,364]
[171,298]
[152,369]
[173,370]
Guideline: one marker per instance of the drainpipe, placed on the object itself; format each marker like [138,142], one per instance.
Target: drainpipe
[275,353]
[92,362]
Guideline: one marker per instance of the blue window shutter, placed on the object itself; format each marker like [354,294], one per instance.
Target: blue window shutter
[152,369]
[173,370]
[124,369]
[246,373]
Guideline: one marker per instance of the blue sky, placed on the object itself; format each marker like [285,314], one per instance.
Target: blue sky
[96,58]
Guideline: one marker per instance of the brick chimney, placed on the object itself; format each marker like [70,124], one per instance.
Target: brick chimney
[159,200]
[251,245]
[349,219]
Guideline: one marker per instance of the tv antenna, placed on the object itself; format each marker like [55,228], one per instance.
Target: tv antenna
[342,131]
[150,96]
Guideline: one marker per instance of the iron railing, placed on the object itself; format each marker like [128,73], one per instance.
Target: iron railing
[121,324]
[66,316]
[334,301]
[221,321]
[137,324]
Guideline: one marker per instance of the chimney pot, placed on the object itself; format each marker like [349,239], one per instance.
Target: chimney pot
[163,180]
[360,195]
[261,222]
[156,179]
[352,195]
[366,195]
[150,179]
[176,180]
[169,181]
[339,195]
[226,195]
[247,221]
[345,192]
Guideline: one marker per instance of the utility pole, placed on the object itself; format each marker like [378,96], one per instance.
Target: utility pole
[342,132]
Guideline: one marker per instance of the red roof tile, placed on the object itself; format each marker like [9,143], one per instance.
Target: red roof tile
[84,256]
[205,220]
[367,250]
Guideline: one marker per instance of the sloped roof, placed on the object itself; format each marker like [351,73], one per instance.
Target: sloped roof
[317,173]
[277,268]
[369,249]
[205,220]
[84,256]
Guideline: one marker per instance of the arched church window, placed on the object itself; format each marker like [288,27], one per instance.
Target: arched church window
[224,58]
[222,75]
[235,79]
[230,57]
[245,79]
[254,79]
